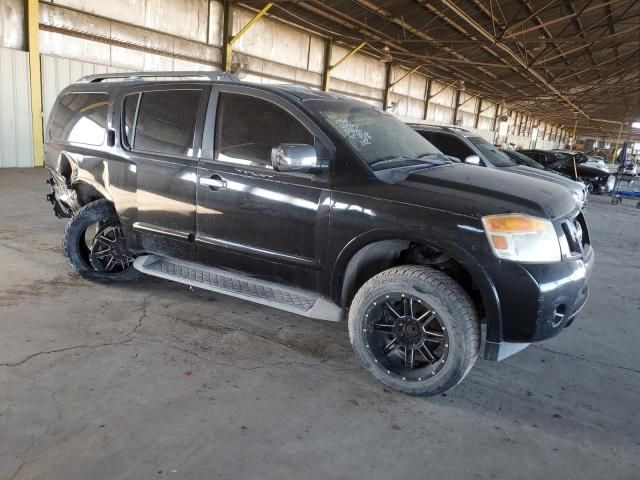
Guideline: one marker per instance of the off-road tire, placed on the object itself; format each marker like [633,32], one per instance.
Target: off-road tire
[90,214]
[448,300]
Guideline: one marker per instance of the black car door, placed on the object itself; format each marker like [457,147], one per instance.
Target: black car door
[159,130]
[251,218]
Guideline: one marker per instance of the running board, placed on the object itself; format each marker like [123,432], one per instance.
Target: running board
[237,285]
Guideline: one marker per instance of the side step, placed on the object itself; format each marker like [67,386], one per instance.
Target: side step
[274,295]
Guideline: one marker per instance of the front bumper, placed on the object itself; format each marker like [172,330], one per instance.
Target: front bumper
[538,301]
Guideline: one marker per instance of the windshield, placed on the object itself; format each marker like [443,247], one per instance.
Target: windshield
[524,160]
[491,153]
[377,137]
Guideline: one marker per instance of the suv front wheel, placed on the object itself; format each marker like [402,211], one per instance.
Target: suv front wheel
[415,329]
[95,247]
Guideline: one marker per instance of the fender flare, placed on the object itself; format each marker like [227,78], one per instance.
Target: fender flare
[480,277]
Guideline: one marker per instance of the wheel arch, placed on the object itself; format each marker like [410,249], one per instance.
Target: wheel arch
[378,250]
[88,192]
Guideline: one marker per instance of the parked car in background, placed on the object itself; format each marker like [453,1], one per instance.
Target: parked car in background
[470,148]
[584,158]
[596,179]
[319,205]
[597,161]
[522,159]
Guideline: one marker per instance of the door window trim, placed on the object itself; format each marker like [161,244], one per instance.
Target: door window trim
[210,129]
[196,144]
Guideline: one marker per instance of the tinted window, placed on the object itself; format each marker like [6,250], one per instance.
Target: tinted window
[450,145]
[377,137]
[80,118]
[129,108]
[491,153]
[167,121]
[248,128]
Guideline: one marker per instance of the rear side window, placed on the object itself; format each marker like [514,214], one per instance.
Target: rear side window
[248,128]
[166,121]
[80,118]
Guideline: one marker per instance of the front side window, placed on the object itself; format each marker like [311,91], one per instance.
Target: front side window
[80,118]
[166,121]
[247,128]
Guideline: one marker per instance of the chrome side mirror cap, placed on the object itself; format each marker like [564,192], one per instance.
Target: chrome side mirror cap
[472,160]
[295,157]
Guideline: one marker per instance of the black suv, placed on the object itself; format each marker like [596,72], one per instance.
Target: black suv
[320,205]
[471,148]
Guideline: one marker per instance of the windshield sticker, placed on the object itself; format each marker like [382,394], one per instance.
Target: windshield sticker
[350,130]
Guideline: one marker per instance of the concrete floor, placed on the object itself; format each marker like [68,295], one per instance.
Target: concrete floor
[152,380]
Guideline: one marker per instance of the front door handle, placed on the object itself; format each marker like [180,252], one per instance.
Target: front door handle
[214,182]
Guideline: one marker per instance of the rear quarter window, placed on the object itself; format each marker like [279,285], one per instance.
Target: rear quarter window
[80,118]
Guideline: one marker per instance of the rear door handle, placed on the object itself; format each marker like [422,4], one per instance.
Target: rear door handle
[214,182]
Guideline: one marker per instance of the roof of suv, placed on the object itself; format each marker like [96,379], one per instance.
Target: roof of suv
[209,77]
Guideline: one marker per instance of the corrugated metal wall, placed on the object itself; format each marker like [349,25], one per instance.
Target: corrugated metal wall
[16,145]
[81,37]
[12,24]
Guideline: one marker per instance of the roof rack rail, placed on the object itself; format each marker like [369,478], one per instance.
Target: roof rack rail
[124,76]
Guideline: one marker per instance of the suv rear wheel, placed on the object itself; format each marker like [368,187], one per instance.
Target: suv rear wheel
[415,329]
[95,247]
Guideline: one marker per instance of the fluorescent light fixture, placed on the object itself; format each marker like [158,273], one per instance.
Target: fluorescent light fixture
[635,125]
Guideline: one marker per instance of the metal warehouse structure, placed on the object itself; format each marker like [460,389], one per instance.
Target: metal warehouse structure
[544,73]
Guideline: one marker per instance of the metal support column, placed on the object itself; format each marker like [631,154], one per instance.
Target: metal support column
[615,150]
[427,97]
[329,68]
[387,85]
[228,39]
[478,110]
[455,110]
[33,45]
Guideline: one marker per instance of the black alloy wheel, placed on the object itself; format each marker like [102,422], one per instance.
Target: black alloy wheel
[415,329]
[406,336]
[95,245]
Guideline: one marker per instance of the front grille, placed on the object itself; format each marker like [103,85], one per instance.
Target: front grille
[576,234]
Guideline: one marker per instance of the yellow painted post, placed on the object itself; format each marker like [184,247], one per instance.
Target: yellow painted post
[228,40]
[33,45]
[327,75]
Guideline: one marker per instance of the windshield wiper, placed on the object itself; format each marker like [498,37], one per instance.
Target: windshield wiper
[404,158]
[390,159]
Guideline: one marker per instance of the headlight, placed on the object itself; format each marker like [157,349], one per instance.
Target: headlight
[522,238]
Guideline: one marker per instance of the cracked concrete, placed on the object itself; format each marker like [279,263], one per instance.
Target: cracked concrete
[152,380]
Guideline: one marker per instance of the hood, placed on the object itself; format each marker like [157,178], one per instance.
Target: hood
[478,191]
[547,176]
[592,169]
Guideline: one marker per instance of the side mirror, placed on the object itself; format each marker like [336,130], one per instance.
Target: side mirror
[295,157]
[472,160]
